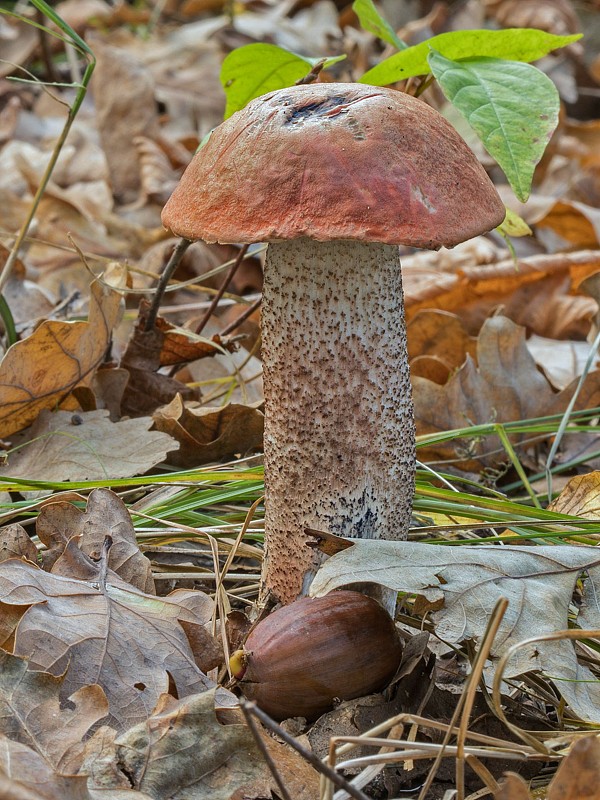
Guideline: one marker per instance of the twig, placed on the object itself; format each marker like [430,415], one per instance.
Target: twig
[242,318]
[312,759]
[312,76]
[232,270]
[263,749]
[164,279]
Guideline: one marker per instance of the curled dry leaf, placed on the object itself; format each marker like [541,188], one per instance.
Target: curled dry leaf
[108,633]
[105,515]
[26,775]
[534,291]
[42,370]
[210,434]
[538,583]
[505,385]
[67,446]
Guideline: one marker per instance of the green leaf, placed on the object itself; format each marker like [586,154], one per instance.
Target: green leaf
[372,21]
[515,44]
[513,108]
[256,69]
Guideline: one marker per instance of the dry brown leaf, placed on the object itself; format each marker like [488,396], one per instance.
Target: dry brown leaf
[441,335]
[210,434]
[513,787]
[43,369]
[554,16]
[105,515]
[32,713]
[25,775]
[15,542]
[147,388]
[207,760]
[505,385]
[63,446]
[531,292]
[580,497]
[125,108]
[578,776]
[181,346]
[129,643]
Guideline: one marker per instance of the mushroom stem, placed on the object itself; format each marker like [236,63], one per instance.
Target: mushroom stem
[339,426]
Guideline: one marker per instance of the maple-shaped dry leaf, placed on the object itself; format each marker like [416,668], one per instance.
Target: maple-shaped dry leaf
[43,369]
[210,434]
[101,632]
[578,776]
[505,385]
[538,583]
[31,712]
[206,760]
[62,446]
[105,514]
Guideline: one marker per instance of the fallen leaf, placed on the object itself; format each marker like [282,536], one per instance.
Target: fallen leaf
[25,775]
[147,387]
[207,760]
[505,385]
[538,583]
[15,542]
[580,497]
[43,369]
[106,514]
[108,633]
[125,108]
[210,434]
[67,446]
[578,774]
[32,713]
[512,787]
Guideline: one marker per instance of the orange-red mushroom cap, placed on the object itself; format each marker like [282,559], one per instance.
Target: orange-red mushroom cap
[335,161]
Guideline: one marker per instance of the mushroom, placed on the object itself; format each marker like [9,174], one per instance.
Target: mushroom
[334,176]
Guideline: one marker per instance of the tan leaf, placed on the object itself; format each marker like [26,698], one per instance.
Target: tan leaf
[505,385]
[32,713]
[128,642]
[538,583]
[212,761]
[43,369]
[63,446]
[439,334]
[106,514]
[578,775]
[15,542]
[512,787]
[580,497]
[210,434]
[26,775]
[125,108]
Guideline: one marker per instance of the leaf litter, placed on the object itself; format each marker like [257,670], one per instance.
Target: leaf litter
[81,396]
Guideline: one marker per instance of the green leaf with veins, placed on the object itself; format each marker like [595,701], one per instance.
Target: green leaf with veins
[513,108]
[516,44]
[256,69]
[371,20]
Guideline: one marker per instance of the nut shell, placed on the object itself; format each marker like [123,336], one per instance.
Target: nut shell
[304,656]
